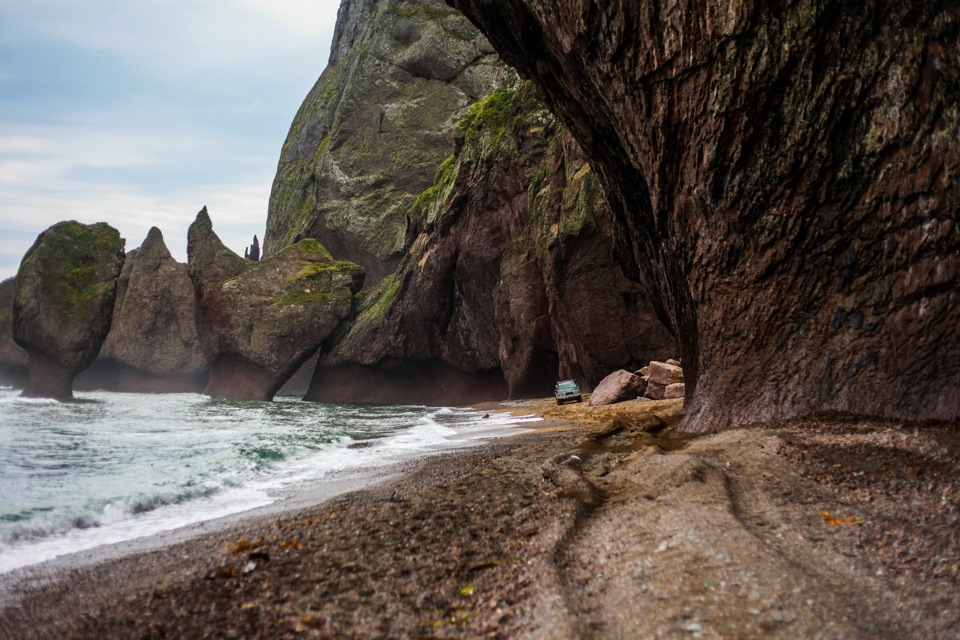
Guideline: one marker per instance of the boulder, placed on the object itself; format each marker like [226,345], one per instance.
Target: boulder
[655,390]
[663,373]
[152,344]
[782,180]
[259,321]
[63,303]
[618,386]
[675,390]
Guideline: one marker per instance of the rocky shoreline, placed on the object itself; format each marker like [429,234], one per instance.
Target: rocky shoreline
[606,523]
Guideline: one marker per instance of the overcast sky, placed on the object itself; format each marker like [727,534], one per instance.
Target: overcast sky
[138,113]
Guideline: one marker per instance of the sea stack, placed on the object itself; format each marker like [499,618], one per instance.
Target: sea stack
[259,321]
[63,303]
[152,345]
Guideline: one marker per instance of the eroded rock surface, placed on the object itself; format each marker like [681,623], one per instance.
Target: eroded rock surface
[63,302]
[14,361]
[152,344]
[782,179]
[259,321]
[507,283]
[369,136]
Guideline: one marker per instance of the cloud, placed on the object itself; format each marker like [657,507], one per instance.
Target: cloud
[42,182]
[140,113]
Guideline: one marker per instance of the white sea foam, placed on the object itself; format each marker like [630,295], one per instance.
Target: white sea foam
[74,476]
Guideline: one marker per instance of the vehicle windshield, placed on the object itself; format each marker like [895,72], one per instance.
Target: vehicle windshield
[567,385]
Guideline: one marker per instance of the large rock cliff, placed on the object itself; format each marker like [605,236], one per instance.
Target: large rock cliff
[259,321]
[506,278]
[152,344]
[63,302]
[369,136]
[507,281]
[783,180]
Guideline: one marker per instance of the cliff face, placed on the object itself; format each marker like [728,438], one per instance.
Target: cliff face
[507,282]
[782,179]
[63,302]
[369,136]
[152,344]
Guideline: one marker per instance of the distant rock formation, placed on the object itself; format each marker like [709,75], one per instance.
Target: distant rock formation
[253,251]
[259,321]
[507,283]
[14,361]
[783,181]
[152,344]
[370,135]
[63,302]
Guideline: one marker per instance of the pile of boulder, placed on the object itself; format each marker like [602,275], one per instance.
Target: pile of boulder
[656,381]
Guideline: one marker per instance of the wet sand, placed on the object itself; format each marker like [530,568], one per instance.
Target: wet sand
[608,525]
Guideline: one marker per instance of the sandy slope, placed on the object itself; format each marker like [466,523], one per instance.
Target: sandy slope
[602,530]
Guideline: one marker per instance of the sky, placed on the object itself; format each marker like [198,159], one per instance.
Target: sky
[139,113]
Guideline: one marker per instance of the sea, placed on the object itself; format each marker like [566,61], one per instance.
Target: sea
[113,467]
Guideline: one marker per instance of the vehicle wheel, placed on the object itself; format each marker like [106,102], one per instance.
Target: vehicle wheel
[579,399]
[558,402]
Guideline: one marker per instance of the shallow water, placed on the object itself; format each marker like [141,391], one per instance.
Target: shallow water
[117,466]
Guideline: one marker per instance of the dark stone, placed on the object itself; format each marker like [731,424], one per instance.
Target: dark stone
[782,181]
[152,345]
[258,322]
[14,361]
[63,303]
[253,251]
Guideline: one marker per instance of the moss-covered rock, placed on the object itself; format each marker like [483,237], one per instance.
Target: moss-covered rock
[259,321]
[63,302]
[370,135]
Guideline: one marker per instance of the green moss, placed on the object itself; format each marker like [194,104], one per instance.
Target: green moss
[425,11]
[302,297]
[580,201]
[489,125]
[374,303]
[77,264]
[427,202]
[314,283]
[310,249]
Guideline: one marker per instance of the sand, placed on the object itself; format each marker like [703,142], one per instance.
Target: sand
[604,523]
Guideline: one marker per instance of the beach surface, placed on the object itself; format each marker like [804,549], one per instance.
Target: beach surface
[603,523]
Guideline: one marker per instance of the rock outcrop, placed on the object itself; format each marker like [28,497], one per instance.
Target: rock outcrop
[259,321]
[507,283]
[782,180]
[14,361]
[152,344]
[369,136]
[63,302]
